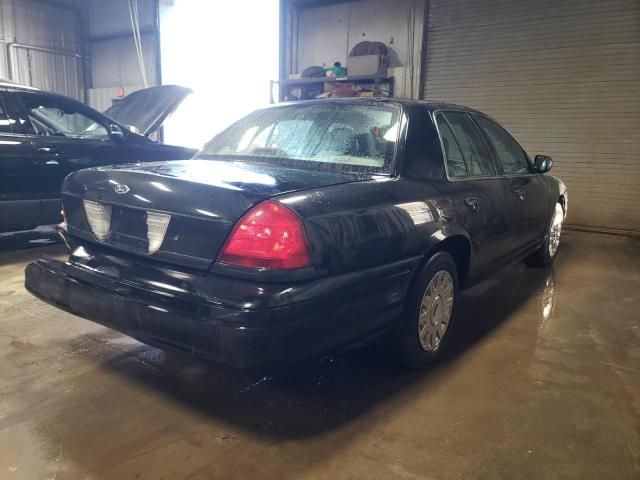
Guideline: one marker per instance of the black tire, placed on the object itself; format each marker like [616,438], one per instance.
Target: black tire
[543,257]
[408,350]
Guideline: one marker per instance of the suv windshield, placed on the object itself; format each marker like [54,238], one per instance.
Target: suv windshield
[317,136]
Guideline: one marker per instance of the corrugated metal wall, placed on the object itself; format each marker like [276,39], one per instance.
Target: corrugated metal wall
[42,45]
[564,77]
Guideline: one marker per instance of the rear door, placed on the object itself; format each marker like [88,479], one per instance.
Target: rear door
[20,190]
[529,190]
[480,191]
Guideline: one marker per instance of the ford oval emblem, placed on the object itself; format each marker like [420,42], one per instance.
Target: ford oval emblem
[122,189]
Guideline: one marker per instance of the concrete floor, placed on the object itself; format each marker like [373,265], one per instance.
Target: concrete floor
[543,382]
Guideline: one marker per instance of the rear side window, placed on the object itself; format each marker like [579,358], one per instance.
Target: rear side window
[474,149]
[509,152]
[452,153]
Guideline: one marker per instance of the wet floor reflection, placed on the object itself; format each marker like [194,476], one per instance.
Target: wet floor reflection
[324,393]
[38,237]
[541,381]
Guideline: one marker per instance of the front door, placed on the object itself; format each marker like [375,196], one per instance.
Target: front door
[65,137]
[19,189]
[529,192]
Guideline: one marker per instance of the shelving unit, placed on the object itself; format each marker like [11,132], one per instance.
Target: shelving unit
[287,85]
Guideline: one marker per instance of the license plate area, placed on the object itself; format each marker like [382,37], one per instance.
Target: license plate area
[129,229]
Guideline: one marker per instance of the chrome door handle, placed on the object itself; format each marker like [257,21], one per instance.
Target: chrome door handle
[51,150]
[472,202]
[520,194]
[46,161]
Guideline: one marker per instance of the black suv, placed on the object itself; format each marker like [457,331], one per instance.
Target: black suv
[45,136]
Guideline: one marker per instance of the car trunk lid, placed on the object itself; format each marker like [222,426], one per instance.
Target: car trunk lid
[184,208]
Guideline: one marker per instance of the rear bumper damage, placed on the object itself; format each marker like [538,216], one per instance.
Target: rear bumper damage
[235,322]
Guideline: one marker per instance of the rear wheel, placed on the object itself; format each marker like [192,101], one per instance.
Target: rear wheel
[423,330]
[545,255]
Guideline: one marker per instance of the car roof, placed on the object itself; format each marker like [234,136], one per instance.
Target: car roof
[430,105]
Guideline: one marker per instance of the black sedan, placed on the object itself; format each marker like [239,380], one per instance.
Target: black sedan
[305,227]
[45,136]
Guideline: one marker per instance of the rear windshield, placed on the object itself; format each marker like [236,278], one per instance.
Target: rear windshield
[315,136]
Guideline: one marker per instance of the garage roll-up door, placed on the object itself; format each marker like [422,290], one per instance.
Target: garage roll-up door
[564,78]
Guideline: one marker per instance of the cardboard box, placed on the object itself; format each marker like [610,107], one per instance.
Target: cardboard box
[367,65]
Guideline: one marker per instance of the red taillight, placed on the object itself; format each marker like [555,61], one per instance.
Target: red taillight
[270,235]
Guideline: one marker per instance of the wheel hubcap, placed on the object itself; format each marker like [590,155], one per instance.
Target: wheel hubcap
[435,311]
[556,230]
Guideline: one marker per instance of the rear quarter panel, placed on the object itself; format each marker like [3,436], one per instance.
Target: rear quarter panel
[367,224]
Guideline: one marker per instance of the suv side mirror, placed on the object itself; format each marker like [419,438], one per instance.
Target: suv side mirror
[116,133]
[542,163]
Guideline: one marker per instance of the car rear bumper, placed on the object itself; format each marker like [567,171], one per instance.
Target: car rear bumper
[246,329]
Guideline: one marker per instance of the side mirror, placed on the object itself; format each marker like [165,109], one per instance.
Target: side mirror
[116,133]
[542,163]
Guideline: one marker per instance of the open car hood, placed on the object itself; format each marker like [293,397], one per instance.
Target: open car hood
[147,109]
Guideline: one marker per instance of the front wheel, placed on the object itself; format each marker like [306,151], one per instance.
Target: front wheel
[545,255]
[424,328]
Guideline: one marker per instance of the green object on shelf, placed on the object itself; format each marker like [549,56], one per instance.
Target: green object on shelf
[337,69]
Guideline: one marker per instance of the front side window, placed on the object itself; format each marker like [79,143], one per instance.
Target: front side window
[55,117]
[316,136]
[509,152]
[470,146]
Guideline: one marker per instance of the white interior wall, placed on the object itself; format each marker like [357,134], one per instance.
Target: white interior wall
[323,36]
[326,34]
[114,64]
[113,59]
